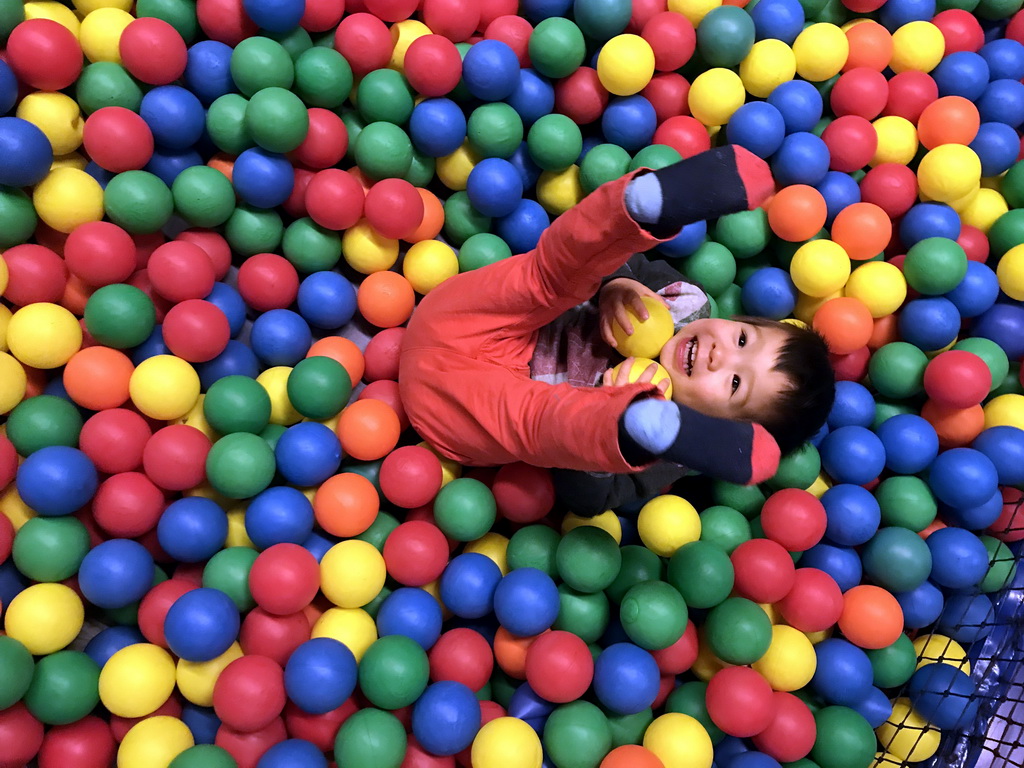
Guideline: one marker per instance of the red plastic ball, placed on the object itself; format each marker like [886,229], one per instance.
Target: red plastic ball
[335,199]
[523,493]
[580,96]
[248,748]
[117,139]
[34,273]
[494,9]
[180,270]
[249,693]
[175,457]
[391,10]
[100,253]
[791,732]
[678,657]
[559,666]
[909,93]
[225,21]
[410,476]
[382,354]
[433,65]
[365,42]
[284,579]
[127,505]
[764,570]
[641,12]
[514,31]
[957,379]
[814,603]
[152,51]
[114,440]
[267,281]
[21,734]
[852,366]
[321,15]
[196,330]
[214,244]
[740,701]
[861,91]
[672,38]
[685,134]
[44,55]
[960,30]
[974,242]
[669,94]
[387,391]
[87,743]
[321,730]
[851,141]
[890,186]
[394,208]
[418,757]
[416,553]
[794,518]
[155,605]
[462,655]
[8,461]
[275,637]
[455,19]
[6,538]
[295,205]
[326,140]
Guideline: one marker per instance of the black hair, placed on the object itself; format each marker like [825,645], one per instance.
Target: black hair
[799,411]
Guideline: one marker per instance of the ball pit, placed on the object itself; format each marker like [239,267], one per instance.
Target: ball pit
[215,221]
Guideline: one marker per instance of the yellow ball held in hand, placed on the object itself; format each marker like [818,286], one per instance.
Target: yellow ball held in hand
[637,369]
[44,335]
[136,680]
[154,743]
[625,65]
[715,94]
[429,263]
[649,335]
[949,172]
[164,387]
[507,742]
[666,523]
[45,618]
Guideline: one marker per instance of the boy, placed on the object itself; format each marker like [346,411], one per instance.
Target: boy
[465,374]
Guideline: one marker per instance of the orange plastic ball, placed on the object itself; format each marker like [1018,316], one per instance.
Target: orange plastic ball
[870,46]
[346,504]
[872,618]
[368,429]
[797,213]
[956,427]
[510,652]
[97,378]
[343,351]
[631,756]
[76,294]
[845,323]
[949,120]
[886,330]
[863,229]
[385,299]
[433,217]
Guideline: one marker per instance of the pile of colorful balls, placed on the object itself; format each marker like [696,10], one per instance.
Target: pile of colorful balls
[221,546]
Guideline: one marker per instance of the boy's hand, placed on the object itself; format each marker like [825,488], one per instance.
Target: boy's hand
[613,300]
[621,378]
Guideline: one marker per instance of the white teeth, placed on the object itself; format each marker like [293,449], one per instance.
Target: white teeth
[691,355]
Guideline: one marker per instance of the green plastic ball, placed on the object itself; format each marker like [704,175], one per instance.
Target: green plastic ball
[725,527]
[383,151]
[554,142]
[310,247]
[638,564]
[897,370]
[897,559]
[886,409]
[254,230]
[18,216]
[374,605]
[502,687]
[240,465]
[1011,383]
[602,21]
[655,156]
[738,631]
[319,387]
[384,95]
[64,689]
[180,14]
[295,41]
[272,433]
[584,614]
[204,756]
[603,163]
[702,572]
[394,672]
[494,130]
[354,125]
[228,571]
[258,63]
[465,509]
[462,220]
[276,119]
[106,84]
[654,614]
[993,355]
[629,729]
[844,740]
[203,196]
[138,202]
[588,558]
[482,249]
[745,234]
[557,47]
[577,735]
[16,671]
[746,499]
[421,169]
[994,10]
[730,301]
[323,78]
[893,665]
[381,527]
[1002,565]
[935,265]
[1012,184]
[1006,232]
[748,267]
[370,737]
[50,548]
[906,501]
[690,699]
[533,546]
[798,469]
[237,404]
[368,469]
[226,126]
[41,421]
[120,316]
[712,265]
[725,36]
[12,13]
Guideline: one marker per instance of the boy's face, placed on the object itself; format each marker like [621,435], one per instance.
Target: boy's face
[724,368]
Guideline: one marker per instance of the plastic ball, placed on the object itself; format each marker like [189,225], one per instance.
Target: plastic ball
[307,454]
[739,701]
[906,734]
[526,602]
[625,64]
[625,678]
[28,153]
[949,172]
[155,740]
[192,530]
[797,213]
[871,617]
[153,51]
[715,95]
[507,741]
[43,335]
[136,680]
[352,573]
[44,617]
[758,127]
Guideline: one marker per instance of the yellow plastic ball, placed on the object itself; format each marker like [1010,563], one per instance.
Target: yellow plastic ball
[625,65]
[679,741]
[402,36]
[136,680]
[907,735]
[694,10]
[275,382]
[14,508]
[918,45]
[817,637]
[237,535]
[352,573]
[429,263]
[13,383]
[453,170]
[649,335]
[818,487]
[196,418]
[715,94]
[44,335]
[68,198]
[821,51]
[70,160]
[897,140]
[5,321]
[450,469]
[607,521]
[949,172]
[492,545]
[86,7]
[164,387]
[45,618]
[706,665]
[820,267]
[983,209]
[666,523]
[641,364]
[806,305]
[507,742]
[195,679]
[1005,411]
[4,276]
[366,250]
[879,285]
[769,64]
[772,612]
[54,11]
[352,627]
[1010,272]
[936,649]
[100,35]
[154,742]
[558,191]
[789,662]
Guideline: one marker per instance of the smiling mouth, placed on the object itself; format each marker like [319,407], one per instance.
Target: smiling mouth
[689,355]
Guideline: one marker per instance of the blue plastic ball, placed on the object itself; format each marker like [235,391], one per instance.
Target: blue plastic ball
[192,529]
[526,602]
[495,187]
[208,71]
[753,759]
[115,573]
[853,455]
[201,624]
[278,515]
[840,191]
[962,73]
[1005,59]
[174,115]
[959,558]
[202,721]
[853,406]
[799,102]
[237,359]
[841,563]
[326,300]
[1003,324]
[921,605]
[944,695]
[101,175]
[1002,102]
[229,301]
[109,641]
[307,454]
[538,10]
[275,16]
[25,153]
[57,480]
[8,89]
[320,675]
[166,164]
[437,127]
[897,559]
[528,170]
[468,585]
[875,707]
[446,718]
[779,19]
[997,146]
[529,707]
[293,752]
[895,13]
[974,518]
[1004,446]
[629,121]
[926,220]
[280,337]
[686,243]
[626,679]
[977,292]
[263,179]
[910,443]
[757,126]
[533,97]
[152,346]
[522,228]
[967,618]
[929,323]
[963,477]
[843,674]
[769,292]
[803,158]
[490,70]
[853,514]
[412,612]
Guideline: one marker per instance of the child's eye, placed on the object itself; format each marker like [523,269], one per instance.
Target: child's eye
[743,339]
[735,384]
